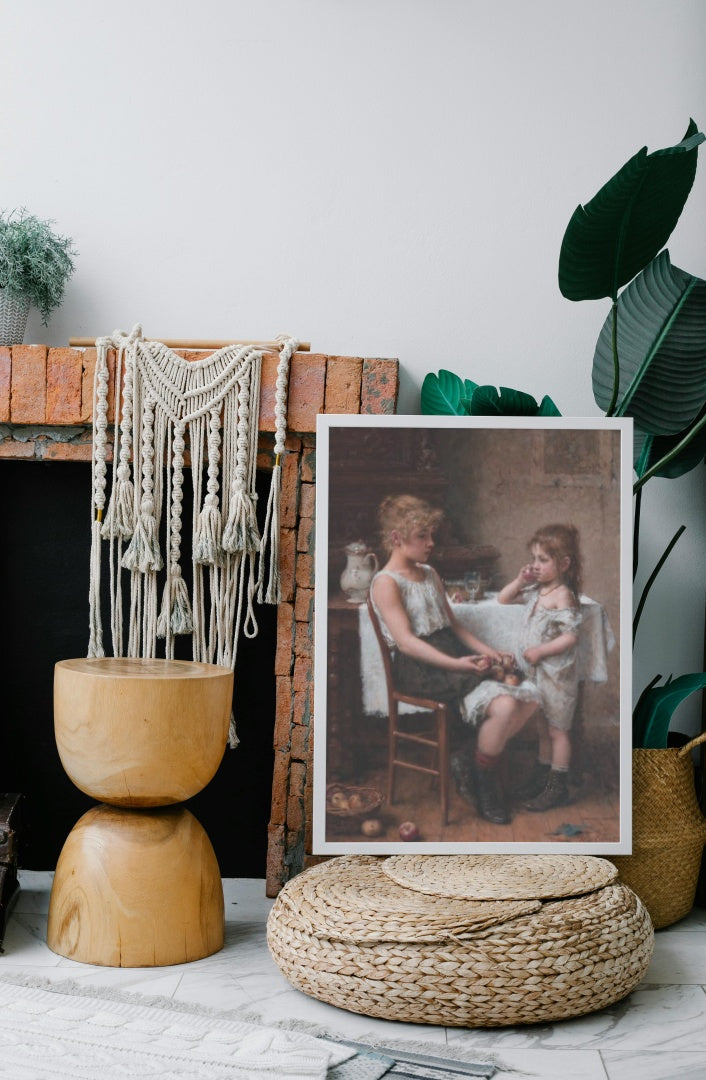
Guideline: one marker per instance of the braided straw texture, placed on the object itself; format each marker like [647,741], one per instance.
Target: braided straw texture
[13,318]
[668,833]
[569,958]
[360,903]
[501,877]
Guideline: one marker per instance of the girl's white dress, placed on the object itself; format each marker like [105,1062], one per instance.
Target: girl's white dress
[556,677]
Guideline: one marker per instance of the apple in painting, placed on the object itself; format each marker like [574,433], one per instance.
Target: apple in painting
[371,827]
[408,831]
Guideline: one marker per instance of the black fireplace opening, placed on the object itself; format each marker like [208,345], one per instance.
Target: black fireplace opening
[44,562]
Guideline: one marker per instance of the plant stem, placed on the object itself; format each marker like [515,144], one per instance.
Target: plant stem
[616,366]
[669,457]
[636,533]
[651,579]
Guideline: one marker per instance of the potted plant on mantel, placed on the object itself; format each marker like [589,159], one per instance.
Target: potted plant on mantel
[35,264]
[650,364]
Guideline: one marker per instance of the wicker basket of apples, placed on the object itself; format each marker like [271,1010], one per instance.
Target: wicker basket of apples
[348,806]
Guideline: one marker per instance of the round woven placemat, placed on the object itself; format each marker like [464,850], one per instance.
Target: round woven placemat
[360,903]
[500,877]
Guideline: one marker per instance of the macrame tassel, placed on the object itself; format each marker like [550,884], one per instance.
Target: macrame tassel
[142,553]
[175,614]
[120,517]
[241,532]
[233,739]
[273,592]
[95,639]
[208,549]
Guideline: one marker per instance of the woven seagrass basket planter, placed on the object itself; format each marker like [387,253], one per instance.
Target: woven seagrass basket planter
[351,934]
[668,833]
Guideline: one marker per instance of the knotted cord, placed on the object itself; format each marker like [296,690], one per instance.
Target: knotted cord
[161,401]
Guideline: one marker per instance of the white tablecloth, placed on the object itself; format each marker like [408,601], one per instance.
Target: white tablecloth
[498,625]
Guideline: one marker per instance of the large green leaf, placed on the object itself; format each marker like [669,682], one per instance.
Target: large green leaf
[491,401]
[661,341]
[649,450]
[653,713]
[610,239]
[446,394]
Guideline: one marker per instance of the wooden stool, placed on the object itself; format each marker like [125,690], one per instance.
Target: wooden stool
[137,886]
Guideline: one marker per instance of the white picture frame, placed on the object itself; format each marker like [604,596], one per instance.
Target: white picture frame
[497,480]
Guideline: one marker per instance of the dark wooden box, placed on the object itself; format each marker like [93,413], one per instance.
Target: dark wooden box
[10,834]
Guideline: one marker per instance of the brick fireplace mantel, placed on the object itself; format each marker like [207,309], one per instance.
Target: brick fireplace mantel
[46,399]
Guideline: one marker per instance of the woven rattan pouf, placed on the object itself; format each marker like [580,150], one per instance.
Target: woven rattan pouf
[466,941]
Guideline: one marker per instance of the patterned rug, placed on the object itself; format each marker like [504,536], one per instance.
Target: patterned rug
[62,1031]
[65,1031]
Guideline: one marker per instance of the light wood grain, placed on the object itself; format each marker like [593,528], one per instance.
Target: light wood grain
[144,733]
[136,888]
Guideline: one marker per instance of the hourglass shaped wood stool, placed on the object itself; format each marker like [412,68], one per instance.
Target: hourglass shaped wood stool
[137,883]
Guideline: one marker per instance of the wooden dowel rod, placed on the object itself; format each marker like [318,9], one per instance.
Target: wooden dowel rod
[172,343]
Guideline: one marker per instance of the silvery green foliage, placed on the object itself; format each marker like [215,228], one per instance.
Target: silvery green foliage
[35,263]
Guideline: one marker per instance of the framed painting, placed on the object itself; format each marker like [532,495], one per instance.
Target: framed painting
[472,671]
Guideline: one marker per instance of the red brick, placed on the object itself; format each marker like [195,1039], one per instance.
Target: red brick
[289,501]
[304,605]
[308,466]
[380,386]
[305,535]
[301,711]
[285,639]
[53,451]
[12,448]
[343,381]
[303,640]
[307,383]
[302,674]
[275,875]
[307,500]
[5,374]
[88,372]
[306,391]
[280,788]
[308,811]
[287,562]
[64,378]
[300,739]
[283,712]
[28,384]
[305,571]
[297,779]
[295,815]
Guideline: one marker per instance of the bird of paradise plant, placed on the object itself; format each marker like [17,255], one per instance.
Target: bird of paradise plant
[650,358]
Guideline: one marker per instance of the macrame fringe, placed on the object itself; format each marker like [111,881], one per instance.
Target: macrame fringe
[142,553]
[233,739]
[95,640]
[208,542]
[272,594]
[175,615]
[241,533]
[161,400]
[120,517]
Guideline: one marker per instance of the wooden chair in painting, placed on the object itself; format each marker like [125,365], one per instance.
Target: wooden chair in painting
[435,740]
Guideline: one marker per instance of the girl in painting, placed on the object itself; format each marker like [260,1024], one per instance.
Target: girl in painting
[549,587]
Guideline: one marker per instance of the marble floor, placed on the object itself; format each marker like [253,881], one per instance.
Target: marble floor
[658,1033]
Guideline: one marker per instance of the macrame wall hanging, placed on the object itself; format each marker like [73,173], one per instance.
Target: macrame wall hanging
[161,401]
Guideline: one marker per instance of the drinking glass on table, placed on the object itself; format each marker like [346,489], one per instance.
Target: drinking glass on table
[471,582]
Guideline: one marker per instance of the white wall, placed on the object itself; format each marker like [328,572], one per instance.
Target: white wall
[381,177]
